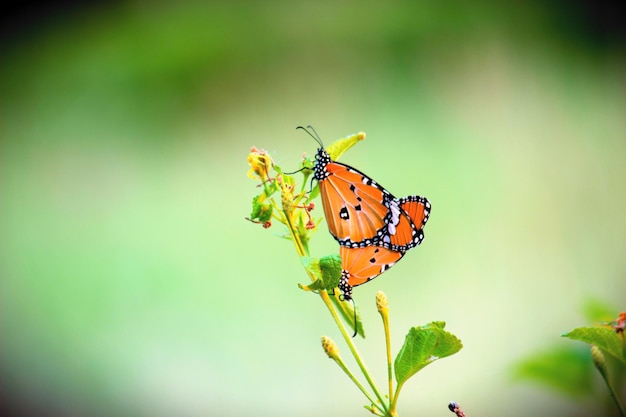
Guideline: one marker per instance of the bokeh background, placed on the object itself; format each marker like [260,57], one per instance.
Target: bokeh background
[130,283]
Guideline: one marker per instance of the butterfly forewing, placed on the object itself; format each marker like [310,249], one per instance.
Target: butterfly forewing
[354,205]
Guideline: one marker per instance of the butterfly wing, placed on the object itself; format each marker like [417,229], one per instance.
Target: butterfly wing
[406,227]
[417,208]
[355,206]
[360,265]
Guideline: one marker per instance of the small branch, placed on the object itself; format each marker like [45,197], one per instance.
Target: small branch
[353,349]
[383,308]
[333,352]
[600,364]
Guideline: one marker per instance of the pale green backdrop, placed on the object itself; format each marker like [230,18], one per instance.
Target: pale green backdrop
[130,283]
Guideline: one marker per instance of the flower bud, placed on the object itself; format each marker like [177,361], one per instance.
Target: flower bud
[381,302]
[598,358]
[330,347]
[260,164]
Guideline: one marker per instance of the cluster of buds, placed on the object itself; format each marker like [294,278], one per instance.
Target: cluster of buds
[294,211]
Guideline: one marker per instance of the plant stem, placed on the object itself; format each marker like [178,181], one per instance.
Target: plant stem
[300,247]
[303,251]
[343,366]
[603,371]
[388,344]
[392,407]
[353,349]
[618,403]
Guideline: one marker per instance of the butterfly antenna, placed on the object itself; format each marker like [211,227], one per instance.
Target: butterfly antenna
[314,135]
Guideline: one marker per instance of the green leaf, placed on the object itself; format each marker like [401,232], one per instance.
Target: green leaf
[338,147]
[603,337]
[261,211]
[335,150]
[568,370]
[330,266]
[312,265]
[327,270]
[422,346]
[278,170]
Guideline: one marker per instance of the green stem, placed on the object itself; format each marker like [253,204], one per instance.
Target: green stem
[343,366]
[353,350]
[618,403]
[388,344]
[300,247]
[392,407]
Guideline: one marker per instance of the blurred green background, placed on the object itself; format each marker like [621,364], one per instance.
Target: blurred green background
[130,283]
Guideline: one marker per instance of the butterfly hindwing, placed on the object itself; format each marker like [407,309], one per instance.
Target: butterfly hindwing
[360,265]
[405,230]
[417,208]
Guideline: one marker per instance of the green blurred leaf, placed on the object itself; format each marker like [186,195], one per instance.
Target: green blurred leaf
[261,211]
[327,270]
[422,346]
[338,147]
[603,337]
[597,310]
[335,150]
[567,370]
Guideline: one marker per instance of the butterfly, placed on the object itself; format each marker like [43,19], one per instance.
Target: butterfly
[374,229]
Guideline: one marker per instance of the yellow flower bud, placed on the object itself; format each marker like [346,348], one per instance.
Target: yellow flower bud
[260,164]
[598,358]
[330,347]
[381,302]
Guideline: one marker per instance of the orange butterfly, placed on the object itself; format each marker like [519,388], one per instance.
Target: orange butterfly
[360,212]
[374,229]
